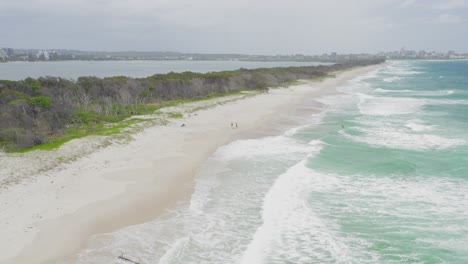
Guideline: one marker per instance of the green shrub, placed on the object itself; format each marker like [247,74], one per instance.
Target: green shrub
[84,117]
[33,83]
[42,101]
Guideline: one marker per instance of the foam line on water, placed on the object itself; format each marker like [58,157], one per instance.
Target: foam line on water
[251,148]
[346,97]
[282,146]
[392,79]
[418,125]
[291,231]
[202,193]
[400,70]
[311,121]
[387,106]
[398,138]
[417,93]
[390,211]
[413,124]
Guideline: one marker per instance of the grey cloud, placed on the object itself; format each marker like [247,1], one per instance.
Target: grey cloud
[240,26]
[447,19]
[450,4]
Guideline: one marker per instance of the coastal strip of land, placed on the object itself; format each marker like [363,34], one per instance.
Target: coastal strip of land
[51,214]
[45,112]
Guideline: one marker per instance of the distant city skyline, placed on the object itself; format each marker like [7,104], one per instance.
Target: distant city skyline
[403,49]
[10,54]
[241,26]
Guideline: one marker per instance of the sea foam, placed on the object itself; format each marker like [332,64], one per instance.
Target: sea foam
[399,70]
[402,139]
[290,229]
[387,106]
[418,125]
[417,93]
[269,146]
[392,79]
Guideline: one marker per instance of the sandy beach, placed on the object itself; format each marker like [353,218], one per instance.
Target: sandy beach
[52,202]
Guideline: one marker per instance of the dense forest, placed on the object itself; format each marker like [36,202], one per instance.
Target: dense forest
[33,111]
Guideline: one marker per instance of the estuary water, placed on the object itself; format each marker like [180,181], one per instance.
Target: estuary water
[379,175]
[73,69]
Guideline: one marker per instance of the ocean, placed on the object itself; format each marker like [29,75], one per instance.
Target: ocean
[19,70]
[378,175]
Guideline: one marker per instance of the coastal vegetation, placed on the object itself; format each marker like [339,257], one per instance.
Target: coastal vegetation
[49,111]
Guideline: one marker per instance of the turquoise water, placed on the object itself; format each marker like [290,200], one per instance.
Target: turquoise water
[380,175]
[74,69]
[393,183]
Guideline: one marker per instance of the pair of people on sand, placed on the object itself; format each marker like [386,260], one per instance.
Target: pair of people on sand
[232,125]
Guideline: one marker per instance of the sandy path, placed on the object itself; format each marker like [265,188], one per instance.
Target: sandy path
[53,213]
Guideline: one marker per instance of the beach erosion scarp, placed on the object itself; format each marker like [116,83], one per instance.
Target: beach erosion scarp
[51,215]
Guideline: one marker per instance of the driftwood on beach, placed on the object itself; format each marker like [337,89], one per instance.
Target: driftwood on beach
[122,257]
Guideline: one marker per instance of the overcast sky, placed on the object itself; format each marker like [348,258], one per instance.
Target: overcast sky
[236,26]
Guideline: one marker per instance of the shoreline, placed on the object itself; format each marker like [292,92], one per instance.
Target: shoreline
[131,183]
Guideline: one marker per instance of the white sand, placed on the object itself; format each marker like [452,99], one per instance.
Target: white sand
[49,208]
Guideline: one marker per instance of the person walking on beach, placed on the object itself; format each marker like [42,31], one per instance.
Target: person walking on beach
[236,124]
[232,125]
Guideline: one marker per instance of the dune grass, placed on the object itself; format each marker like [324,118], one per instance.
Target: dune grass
[82,131]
